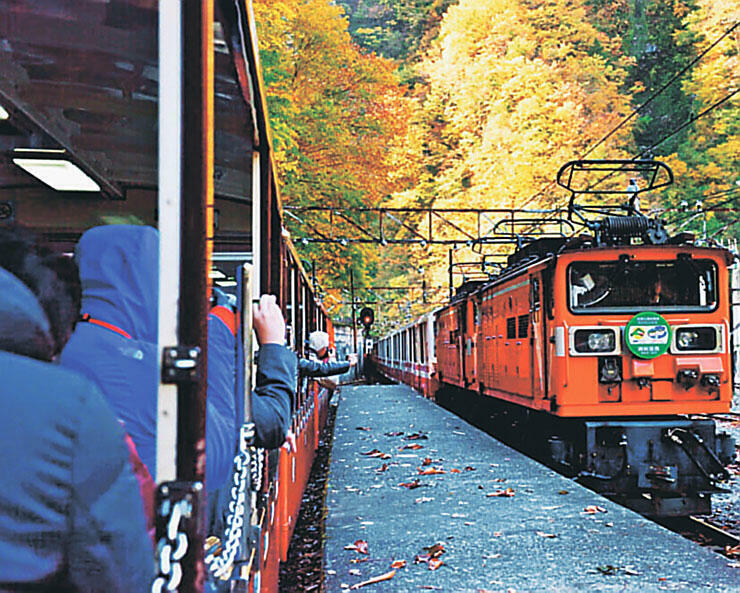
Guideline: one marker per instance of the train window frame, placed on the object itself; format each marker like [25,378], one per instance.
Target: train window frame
[522,326]
[633,309]
[511,328]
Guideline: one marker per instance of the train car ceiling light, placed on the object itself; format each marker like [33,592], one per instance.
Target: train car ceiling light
[4,113]
[50,167]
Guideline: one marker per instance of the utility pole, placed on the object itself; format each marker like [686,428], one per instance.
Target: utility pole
[449,271]
[354,317]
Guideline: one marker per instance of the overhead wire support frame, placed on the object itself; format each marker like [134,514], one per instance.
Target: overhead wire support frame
[393,226]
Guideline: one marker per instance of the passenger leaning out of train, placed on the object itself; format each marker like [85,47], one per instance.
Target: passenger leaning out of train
[321,361]
[115,346]
[70,514]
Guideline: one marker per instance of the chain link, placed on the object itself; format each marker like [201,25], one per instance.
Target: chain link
[219,565]
[171,548]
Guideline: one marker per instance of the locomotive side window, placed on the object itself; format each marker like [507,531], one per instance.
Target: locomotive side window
[631,286]
[523,321]
[511,328]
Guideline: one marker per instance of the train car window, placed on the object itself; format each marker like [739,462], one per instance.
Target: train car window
[523,323]
[629,286]
[511,328]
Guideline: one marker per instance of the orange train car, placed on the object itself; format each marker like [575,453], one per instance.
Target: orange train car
[605,347]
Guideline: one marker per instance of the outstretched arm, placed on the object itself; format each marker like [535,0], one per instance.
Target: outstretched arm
[314,368]
[276,376]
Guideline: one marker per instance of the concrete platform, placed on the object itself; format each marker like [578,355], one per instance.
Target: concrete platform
[540,539]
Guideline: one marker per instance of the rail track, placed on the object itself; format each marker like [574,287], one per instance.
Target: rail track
[698,529]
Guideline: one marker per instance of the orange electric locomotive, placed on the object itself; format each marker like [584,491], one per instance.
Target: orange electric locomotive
[609,344]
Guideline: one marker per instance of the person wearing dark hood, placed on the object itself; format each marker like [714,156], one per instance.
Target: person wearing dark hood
[115,345]
[70,514]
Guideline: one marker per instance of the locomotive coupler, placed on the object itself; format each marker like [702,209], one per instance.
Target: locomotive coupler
[688,378]
[711,382]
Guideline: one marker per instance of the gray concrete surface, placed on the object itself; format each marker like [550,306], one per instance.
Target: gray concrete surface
[539,539]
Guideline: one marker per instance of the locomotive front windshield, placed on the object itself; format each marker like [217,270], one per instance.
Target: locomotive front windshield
[628,286]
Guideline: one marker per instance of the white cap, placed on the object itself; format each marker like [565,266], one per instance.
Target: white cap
[318,340]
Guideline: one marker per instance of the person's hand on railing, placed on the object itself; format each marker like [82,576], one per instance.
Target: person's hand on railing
[289,444]
[269,324]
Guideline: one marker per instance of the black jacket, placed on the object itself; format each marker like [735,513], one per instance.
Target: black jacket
[315,368]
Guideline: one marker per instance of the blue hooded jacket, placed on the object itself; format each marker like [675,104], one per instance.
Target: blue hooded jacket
[119,270]
[119,273]
[71,518]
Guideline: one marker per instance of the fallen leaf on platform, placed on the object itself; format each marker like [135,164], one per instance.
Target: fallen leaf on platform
[732,551]
[435,563]
[419,558]
[563,492]
[426,461]
[499,479]
[630,571]
[436,550]
[608,569]
[411,485]
[355,572]
[393,434]
[398,564]
[382,468]
[469,468]
[376,453]
[508,492]
[497,534]
[358,560]
[416,436]
[413,446]
[383,577]
[360,546]
[423,499]
[548,535]
[592,509]
[362,428]
[430,471]
[454,471]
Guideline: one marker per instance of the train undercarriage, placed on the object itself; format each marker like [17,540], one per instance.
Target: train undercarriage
[659,466]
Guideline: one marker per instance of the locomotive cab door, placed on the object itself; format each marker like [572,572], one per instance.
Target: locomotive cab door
[537,336]
[462,334]
[470,337]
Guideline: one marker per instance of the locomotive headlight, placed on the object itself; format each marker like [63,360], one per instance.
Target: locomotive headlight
[594,341]
[692,339]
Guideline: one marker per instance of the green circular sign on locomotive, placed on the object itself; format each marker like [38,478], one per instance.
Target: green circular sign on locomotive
[648,335]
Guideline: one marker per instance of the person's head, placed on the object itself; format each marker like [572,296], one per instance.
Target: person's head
[318,341]
[52,279]
[119,270]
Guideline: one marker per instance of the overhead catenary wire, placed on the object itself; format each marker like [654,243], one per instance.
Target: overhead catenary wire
[662,89]
[649,100]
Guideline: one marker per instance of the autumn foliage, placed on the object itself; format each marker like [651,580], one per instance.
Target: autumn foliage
[496,96]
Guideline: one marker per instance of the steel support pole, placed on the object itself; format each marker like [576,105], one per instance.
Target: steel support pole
[354,316]
[449,271]
[195,251]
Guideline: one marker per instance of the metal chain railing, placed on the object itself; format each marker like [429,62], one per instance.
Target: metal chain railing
[219,565]
[171,548]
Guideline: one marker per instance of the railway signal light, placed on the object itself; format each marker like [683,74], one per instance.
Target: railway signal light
[367,316]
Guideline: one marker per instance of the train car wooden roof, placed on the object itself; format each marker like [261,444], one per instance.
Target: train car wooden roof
[81,75]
